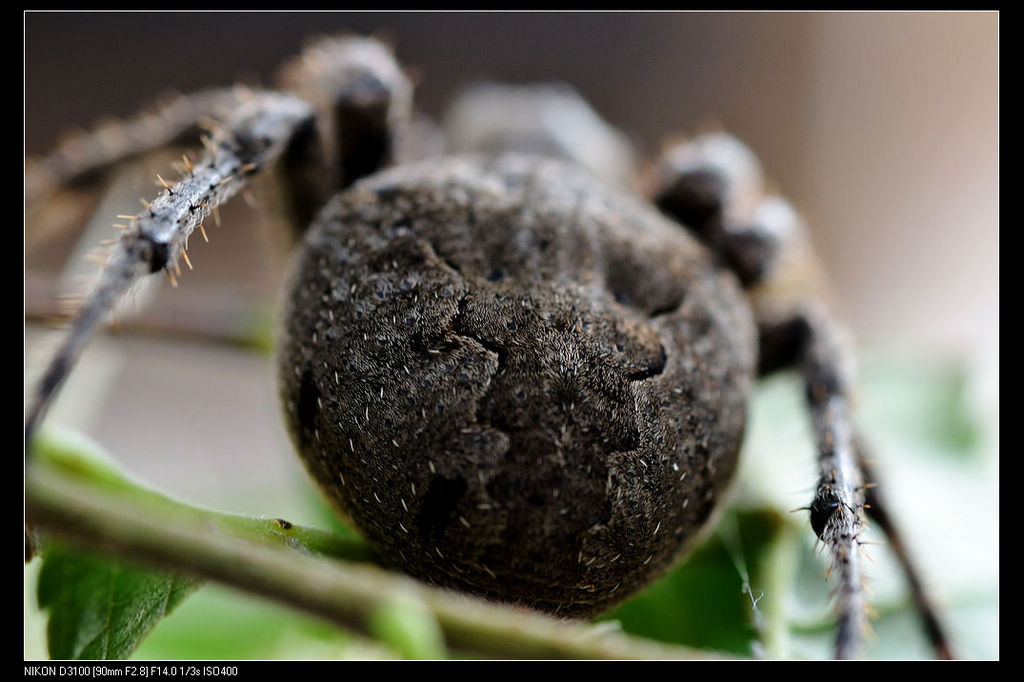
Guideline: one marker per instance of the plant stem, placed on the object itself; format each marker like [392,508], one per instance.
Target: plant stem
[778,577]
[83,464]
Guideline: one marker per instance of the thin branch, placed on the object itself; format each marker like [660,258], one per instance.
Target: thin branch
[84,465]
[778,578]
[112,518]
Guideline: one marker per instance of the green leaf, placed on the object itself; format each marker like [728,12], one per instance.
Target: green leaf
[221,623]
[703,602]
[101,608]
[104,608]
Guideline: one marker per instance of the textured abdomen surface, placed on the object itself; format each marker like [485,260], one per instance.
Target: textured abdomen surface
[513,380]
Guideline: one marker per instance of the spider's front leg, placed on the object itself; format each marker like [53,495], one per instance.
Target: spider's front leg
[363,101]
[713,185]
[251,138]
[361,97]
[355,101]
[83,156]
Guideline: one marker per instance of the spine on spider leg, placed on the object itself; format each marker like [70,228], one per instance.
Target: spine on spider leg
[257,133]
[714,186]
[178,119]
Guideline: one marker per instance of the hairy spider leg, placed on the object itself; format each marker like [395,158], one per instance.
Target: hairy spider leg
[714,186]
[367,95]
[251,138]
[363,101]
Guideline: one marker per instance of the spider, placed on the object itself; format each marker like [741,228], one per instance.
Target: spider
[533,317]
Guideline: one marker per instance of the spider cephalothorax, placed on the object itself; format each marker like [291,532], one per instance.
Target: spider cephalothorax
[518,373]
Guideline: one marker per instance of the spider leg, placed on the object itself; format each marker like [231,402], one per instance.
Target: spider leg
[178,119]
[789,342]
[878,512]
[815,345]
[714,185]
[257,133]
[359,99]
[363,101]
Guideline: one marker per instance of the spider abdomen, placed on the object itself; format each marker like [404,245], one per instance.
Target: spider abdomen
[513,380]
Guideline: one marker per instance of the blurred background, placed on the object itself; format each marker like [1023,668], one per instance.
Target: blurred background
[882,128]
